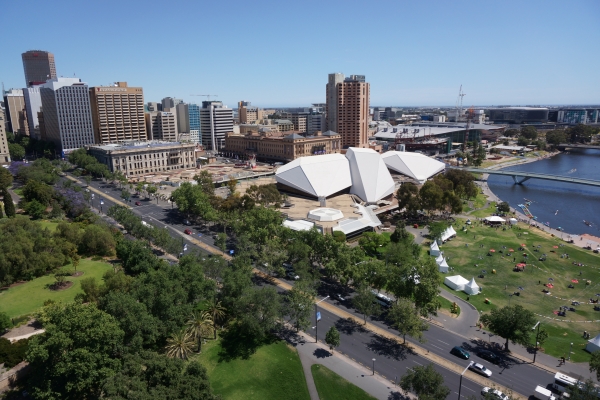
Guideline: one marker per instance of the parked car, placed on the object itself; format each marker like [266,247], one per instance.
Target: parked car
[460,352]
[188,232]
[137,203]
[339,297]
[480,369]
[186,222]
[493,393]
[292,275]
[489,355]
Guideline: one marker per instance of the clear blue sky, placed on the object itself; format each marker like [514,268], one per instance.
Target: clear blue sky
[278,53]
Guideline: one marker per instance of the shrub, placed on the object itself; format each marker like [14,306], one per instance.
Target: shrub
[339,236]
[12,353]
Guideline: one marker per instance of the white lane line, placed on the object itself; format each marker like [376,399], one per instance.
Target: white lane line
[417,362]
[437,347]
[443,342]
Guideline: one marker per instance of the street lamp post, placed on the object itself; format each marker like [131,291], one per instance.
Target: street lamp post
[537,335]
[373,366]
[461,375]
[570,348]
[317,319]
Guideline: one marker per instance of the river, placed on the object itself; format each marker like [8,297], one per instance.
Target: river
[574,202]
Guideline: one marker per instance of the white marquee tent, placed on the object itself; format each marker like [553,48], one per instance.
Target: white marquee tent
[472,287]
[319,176]
[439,259]
[443,267]
[415,165]
[371,180]
[434,249]
[456,282]
[448,233]
[593,344]
[495,218]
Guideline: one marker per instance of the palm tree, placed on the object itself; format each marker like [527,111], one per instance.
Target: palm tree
[199,325]
[179,345]
[216,311]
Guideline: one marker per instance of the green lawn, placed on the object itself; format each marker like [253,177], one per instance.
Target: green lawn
[497,287]
[28,297]
[48,224]
[331,386]
[273,372]
[486,212]
[447,305]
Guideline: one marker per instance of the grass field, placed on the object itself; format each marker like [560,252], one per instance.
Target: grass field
[447,305]
[497,287]
[28,297]
[273,372]
[48,224]
[331,386]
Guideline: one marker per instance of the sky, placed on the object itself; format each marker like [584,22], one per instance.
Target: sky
[279,53]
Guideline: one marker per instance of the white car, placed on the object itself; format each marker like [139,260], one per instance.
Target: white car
[494,393]
[480,369]
[339,297]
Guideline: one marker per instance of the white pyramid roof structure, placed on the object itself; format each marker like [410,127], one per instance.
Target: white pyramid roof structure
[439,259]
[319,176]
[434,246]
[443,266]
[593,344]
[415,165]
[471,287]
[371,180]
[456,282]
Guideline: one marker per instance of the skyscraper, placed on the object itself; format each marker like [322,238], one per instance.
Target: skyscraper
[33,105]
[16,115]
[194,115]
[118,113]
[67,113]
[215,121]
[348,108]
[183,118]
[162,125]
[38,66]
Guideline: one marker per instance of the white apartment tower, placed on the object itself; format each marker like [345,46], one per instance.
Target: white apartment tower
[215,121]
[67,113]
[33,105]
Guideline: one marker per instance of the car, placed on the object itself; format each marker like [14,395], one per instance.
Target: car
[188,232]
[287,266]
[339,297]
[493,393]
[137,203]
[460,352]
[292,275]
[488,355]
[186,222]
[480,369]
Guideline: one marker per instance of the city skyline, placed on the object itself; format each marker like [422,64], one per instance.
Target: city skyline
[413,55]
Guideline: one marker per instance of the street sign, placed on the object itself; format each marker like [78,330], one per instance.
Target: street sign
[318,316]
[230,251]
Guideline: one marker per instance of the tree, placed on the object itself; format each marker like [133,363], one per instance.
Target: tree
[339,236]
[584,391]
[6,179]
[581,133]
[17,152]
[400,235]
[436,229]
[408,197]
[232,185]
[595,364]
[259,312]
[97,240]
[35,190]
[221,241]
[504,207]
[35,209]
[78,351]
[5,322]
[332,338]
[199,325]
[529,132]
[299,308]
[513,323]
[125,195]
[372,242]
[179,345]
[425,382]
[431,196]
[205,182]
[407,320]
[9,206]
[216,311]
[523,141]
[364,301]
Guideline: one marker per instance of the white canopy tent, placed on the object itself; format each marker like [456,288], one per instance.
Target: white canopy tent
[513,221]
[443,267]
[434,249]
[448,233]
[472,287]
[439,259]
[593,344]
[495,218]
[456,282]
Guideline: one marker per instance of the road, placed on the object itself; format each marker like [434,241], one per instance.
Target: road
[392,359]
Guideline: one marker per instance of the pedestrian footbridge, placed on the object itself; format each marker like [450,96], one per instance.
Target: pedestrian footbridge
[520,177]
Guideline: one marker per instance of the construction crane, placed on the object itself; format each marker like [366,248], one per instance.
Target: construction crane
[459,104]
[208,96]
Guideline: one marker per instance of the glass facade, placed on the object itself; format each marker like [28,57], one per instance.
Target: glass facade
[194,112]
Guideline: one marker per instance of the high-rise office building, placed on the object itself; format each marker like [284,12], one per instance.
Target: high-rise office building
[67,114]
[194,121]
[162,125]
[169,102]
[315,121]
[247,114]
[215,121]
[183,118]
[33,105]
[154,106]
[348,108]
[4,153]
[118,113]
[16,115]
[38,66]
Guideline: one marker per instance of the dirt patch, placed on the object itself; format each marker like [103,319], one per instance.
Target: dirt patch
[63,286]
[77,274]
[447,312]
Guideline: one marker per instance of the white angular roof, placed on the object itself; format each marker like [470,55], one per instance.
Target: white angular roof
[439,259]
[320,176]
[415,165]
[434,246]
[371,180]
[325,214]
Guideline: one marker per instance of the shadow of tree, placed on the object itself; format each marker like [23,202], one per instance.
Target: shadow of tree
[388,348]
[322,353]
[238,342]
[290,336]
[349,326]
[397,396]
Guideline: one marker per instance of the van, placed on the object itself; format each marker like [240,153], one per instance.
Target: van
[541,393]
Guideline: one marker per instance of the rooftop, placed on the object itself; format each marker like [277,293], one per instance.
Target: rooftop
[137,145]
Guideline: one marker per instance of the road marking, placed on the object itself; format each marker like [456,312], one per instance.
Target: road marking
[466,387]
[437,347]
[443,342]
[417,363]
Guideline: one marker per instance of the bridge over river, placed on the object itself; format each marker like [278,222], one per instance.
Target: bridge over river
[520,177]
[564,146]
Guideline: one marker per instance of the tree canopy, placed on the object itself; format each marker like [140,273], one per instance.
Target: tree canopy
[513,323]
[425,382]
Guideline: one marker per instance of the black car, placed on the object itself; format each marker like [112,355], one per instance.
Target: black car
[488,355]
[460,352]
